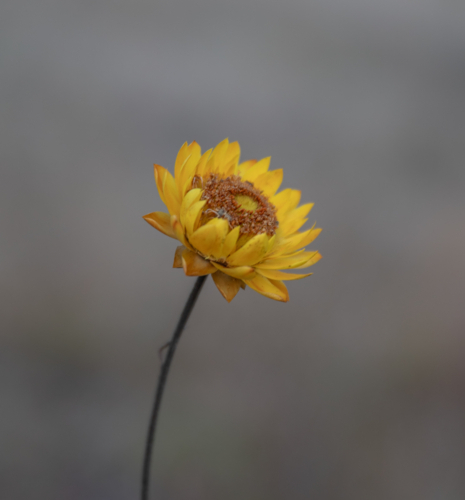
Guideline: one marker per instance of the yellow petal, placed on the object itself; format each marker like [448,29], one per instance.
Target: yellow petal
[285,200]
[282,288]
[216,160]
[299,212]
[179,231]
[312,260]
[298,260]
[160,221]
[230,242]
[171,200]
[194,265]
[227,286]
[229,167]
[201,166]
[167,189]
[158,171]
[271,244]
[231,159]
[233,151]
[269,182]
[297,241]
[242,272]
[222,228]
[193,196]
[192,182]
[180,179]
[180,159]
[251,253]
[178,256]
[294,219]
[289,227]
[192,217]
[260,168]
[264,286]
[209,238]
[287,262]
[274,274]
[244,167]
[194,148]
[189,167]
[307,237]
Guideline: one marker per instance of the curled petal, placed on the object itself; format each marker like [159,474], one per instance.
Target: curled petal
[299,260]
[160,221]
[194,265]
[167,185]
[309,236]
[312,260]
[215,162]
[227,286]
[180,159]
[192,217]
[274,274]
[282,288]
[264,286]
[297,241]
[178,256]
[189,167]
[242,272]
[158,172]
[179,231]
[201,166]
[193,196]
[305,238]
[286,262]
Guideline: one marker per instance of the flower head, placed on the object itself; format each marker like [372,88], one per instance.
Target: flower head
[231,221]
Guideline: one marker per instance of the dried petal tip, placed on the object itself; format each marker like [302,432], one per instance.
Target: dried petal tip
[227,286]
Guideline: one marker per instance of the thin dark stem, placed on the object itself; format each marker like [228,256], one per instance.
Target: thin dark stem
[162,381]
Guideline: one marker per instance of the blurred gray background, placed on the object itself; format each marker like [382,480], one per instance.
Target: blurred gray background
[355,389]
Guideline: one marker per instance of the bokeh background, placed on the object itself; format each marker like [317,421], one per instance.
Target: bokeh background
[355,389]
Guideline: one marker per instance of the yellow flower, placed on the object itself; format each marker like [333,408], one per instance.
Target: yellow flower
[231,222]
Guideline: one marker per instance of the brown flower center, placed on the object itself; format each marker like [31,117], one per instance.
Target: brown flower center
[240,203]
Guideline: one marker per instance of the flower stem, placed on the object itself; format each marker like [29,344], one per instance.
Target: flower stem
[162,381]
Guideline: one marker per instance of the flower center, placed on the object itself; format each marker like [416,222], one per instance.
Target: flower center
[246,202]
[240,203]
